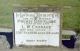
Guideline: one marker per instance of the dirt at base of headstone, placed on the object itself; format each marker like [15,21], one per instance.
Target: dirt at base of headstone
[3,42]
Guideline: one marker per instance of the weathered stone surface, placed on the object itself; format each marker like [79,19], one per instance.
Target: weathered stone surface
[68,32]
[3,42]
[78,42]
[5,30]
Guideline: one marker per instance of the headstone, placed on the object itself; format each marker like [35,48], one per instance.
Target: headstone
[37,27]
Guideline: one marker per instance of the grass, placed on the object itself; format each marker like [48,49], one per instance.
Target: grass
[70,10]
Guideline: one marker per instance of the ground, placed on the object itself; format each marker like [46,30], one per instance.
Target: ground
[41,49]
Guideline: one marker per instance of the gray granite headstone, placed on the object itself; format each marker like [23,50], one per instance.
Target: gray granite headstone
[3,42]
